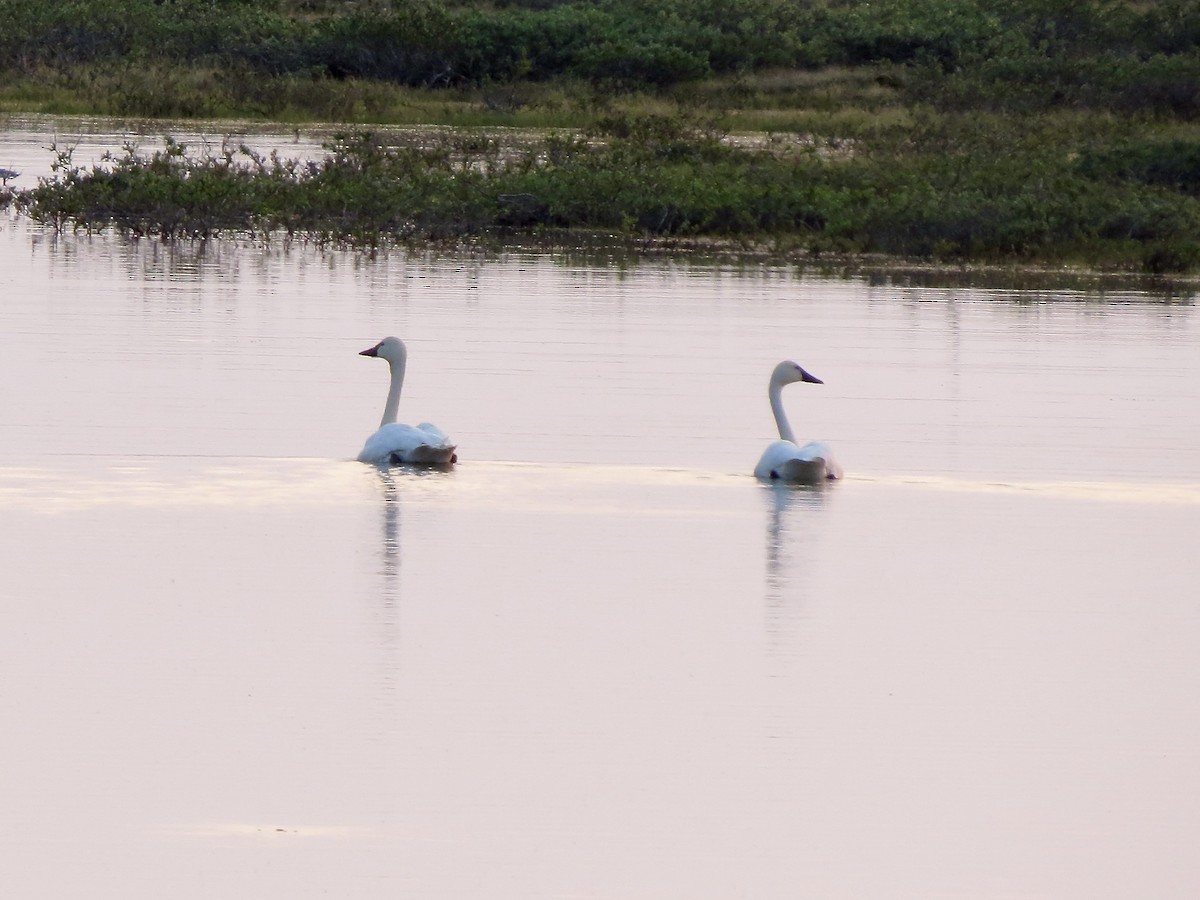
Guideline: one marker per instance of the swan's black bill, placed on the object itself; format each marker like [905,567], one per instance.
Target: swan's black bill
[372,351]
[811,379]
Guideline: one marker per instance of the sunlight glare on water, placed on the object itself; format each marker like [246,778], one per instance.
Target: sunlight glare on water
[596,659]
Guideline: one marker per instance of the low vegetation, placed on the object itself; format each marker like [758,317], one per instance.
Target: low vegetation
[995,54]
[948,197]
[944,129]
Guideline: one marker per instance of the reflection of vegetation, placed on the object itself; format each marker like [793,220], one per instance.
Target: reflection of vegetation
[938,128]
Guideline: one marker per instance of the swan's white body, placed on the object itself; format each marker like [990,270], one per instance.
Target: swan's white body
[784,460]
[395,443]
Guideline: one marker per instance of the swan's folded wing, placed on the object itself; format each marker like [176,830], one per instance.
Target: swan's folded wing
[810,463]
[813,450]
[407,443]
[434,435]
[776,454]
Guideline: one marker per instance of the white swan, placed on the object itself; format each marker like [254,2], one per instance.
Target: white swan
[783,460]
[394,443]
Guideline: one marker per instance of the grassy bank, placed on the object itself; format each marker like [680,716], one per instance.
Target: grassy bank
[234,56]
[1024,130]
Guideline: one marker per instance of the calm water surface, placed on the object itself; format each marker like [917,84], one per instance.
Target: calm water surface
[597,659]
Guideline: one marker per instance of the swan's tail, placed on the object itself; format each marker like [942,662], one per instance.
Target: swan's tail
[425,455]
[802,471]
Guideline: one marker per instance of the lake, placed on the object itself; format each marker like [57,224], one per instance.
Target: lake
[596,659]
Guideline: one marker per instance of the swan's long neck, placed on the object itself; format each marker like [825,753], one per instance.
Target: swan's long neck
[781,420]
[393,397]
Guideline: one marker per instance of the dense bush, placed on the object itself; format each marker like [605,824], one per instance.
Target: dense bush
[1173,164]
[1103,53]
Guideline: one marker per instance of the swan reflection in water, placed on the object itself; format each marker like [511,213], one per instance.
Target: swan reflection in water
[390,547]
[394,482]
[793,527]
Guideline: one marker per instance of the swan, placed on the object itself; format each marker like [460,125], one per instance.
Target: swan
[394,443]
[783,460]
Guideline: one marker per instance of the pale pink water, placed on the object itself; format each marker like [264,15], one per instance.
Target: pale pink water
[598,659]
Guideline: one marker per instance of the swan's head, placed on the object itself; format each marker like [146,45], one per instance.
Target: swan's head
[390,348]
[788,372]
